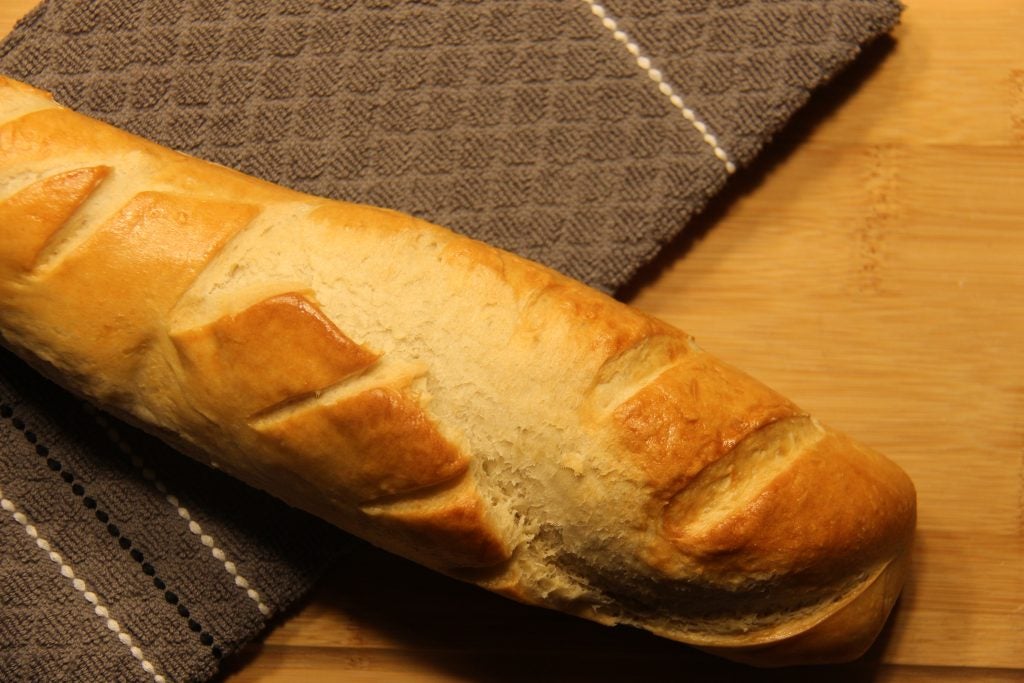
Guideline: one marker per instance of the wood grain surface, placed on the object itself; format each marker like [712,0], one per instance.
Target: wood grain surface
[871,267]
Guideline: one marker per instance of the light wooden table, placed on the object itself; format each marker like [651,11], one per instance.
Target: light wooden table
[871,267]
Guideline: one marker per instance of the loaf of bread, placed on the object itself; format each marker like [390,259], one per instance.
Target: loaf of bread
[447,401]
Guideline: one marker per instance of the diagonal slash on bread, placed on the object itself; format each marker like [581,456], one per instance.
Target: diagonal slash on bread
[445,400]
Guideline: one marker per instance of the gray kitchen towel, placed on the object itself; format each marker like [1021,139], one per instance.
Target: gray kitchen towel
[581,134]
[121,560]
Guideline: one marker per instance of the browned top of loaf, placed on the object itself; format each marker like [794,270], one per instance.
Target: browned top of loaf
[250,378]
[690,475]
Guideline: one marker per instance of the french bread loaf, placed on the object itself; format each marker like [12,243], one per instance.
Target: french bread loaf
[447,401]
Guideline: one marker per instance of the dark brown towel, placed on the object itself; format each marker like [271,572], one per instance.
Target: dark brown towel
[580,134]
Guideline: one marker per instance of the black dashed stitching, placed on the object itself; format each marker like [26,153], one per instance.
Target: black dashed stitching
[124,542]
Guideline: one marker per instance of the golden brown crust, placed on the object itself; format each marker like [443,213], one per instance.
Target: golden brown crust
[53,133]
[448,528]
[376,443]
[795,524]
[280,349]
[72,300]
[40,210]
[178,233]
[690,416]
[448,401]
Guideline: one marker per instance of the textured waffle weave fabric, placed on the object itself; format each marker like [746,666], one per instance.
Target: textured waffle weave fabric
[581,134]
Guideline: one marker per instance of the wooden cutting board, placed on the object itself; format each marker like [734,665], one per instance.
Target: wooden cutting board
[871,267]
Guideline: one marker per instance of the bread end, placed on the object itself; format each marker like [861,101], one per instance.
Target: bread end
[843,636]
